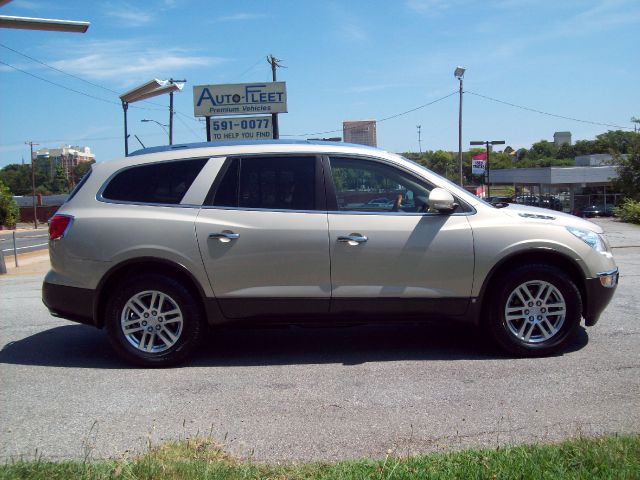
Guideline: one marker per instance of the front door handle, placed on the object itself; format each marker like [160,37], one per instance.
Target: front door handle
[353,239]
[225,236]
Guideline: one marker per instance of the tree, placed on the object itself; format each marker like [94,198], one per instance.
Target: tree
[9,212]
[542,149]
[566,151]
[79,171]
[442,162]
[628,181]
[59,182]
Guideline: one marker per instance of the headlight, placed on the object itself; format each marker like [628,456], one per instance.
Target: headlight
[592,239]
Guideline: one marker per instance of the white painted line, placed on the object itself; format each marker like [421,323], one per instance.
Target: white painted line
[22,248]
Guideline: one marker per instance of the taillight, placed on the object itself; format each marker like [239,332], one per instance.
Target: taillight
[58,225]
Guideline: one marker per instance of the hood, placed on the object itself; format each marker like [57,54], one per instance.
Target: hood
[544,215]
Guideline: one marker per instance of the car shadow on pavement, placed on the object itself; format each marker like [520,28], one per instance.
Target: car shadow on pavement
[81,346]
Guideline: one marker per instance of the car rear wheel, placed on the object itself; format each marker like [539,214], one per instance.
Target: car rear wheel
[536,311]
[153,320]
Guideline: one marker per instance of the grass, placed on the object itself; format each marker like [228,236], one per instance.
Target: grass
[611,457]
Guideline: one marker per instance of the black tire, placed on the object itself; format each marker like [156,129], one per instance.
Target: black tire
[189,332]
[549,322]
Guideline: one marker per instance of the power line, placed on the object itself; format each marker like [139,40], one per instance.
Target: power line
[58,70]
[378,121]
[190,129]
[72,89]
[250,68]
[70,74]
[546,113]
[59,85]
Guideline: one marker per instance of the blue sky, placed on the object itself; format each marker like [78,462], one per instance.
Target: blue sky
[345,60]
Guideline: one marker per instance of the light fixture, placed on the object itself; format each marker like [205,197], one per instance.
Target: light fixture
[150,89]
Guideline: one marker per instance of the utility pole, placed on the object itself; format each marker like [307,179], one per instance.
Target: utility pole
[33,184]
[419,140]
[275,63]
[171,80]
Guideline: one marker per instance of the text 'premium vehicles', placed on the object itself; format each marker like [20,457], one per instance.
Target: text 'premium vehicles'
[157,246]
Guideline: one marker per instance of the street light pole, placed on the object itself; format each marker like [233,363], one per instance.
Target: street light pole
[33,185]
[459,74]
[162,125]
[125,106]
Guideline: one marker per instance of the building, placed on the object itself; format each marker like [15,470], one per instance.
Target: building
[595,160]
[362,132]
[567,189]
[66,156]
[562,138]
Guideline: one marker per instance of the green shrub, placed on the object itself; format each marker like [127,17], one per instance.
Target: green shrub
[629,211]
[9,212]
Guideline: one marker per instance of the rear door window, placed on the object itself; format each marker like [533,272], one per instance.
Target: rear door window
[157,183]
[271,183]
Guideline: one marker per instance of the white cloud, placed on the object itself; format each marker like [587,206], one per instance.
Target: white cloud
[347,26]
[127,61]
[376,87]
[128,15]
[29,5]
[241,17]
[432,7]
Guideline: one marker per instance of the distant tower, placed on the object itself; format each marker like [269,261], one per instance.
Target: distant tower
[362,132]
[562,138]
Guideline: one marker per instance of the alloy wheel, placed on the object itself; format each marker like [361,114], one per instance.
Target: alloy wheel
[151,321]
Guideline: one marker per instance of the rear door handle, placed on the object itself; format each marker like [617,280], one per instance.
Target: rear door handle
[225,236]
[353,239]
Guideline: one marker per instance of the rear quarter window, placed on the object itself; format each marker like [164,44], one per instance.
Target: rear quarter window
[157,183]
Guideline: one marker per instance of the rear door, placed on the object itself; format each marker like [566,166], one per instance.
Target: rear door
[263,238]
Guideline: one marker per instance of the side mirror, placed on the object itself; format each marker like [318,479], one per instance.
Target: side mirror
[441,201]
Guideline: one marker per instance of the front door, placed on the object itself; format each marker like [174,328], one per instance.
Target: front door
[388,253]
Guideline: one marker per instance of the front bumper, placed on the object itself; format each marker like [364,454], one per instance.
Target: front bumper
[71,303]
[599,292]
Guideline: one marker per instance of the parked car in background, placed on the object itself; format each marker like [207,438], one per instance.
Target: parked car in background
[500,200]
[593,211]
[160,245]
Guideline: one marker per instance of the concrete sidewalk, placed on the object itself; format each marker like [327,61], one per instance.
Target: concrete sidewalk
[31,263]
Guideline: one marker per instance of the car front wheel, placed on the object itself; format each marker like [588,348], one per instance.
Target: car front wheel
[536,310]
[154,321]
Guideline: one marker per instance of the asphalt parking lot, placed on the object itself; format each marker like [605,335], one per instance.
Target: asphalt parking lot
[322,394]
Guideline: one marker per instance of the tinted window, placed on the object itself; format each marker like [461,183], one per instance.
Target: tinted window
[227,191]
[275,183]
[163,183]
[369,186]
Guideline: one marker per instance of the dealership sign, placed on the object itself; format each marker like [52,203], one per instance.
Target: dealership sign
[239,99]
[241,128]
[478,163]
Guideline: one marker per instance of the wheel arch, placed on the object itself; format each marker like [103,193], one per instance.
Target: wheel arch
[533,256]
[132,267]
